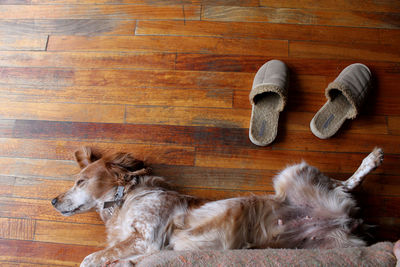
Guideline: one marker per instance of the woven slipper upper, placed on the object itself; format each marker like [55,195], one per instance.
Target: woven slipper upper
[345,95]
[353,82]
[268,97]
[271,77]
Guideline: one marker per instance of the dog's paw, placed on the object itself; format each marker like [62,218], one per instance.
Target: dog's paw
[94,260]
[375,158]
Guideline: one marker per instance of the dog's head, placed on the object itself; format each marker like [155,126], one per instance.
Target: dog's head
[99,174]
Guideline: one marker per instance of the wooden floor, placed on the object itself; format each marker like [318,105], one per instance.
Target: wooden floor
[169,81]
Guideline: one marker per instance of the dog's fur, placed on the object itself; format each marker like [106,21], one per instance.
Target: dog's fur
[308,210]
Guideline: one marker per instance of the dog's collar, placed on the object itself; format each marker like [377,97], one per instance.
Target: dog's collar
[117,198]
[120,189]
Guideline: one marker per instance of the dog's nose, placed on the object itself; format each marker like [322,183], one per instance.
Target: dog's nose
[54,201]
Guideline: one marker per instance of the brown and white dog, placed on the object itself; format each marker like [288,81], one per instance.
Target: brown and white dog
[143,216]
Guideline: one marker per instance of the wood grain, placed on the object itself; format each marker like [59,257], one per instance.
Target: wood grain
[38,253]
[6,185]
[219,98]
[302,16]
[114,11]
[225,118]
[70,233]
[55,78]
[107,132]
[21,42]
[34,27]
[22,229]
[163,79]
[344,51]
[62,111]
[169,44]
[360,5]
[38,167]
[88,60]
[256,30]
[276,160]
[63,150]
[298,66]
[147,2]
[394,125]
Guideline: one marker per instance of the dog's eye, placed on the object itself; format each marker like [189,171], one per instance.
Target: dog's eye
[80,182]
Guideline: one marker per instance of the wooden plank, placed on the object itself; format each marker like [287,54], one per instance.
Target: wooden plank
[6,185]
[114,11]
[38,188]
[343,141]
[62,111]
[360,5]
[107,132]
[394,125]
[34,27]
[149,2]
[257,30]
[6,127]
[10,263]
[301,16]
[169,44]
[21,42]
[295,129]
[298,66]
[163,79]
[344,51]
[15,2]
[60,169]
[35,76]
[12,228]
[57,78]
[220,98]
[70,233]
[62,150]
[41,209]
[34,253]
[88,60]
[225,118]
[380,185]
[278,159]
[389,36]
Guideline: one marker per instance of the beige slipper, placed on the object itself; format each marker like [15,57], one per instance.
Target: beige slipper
[345,96]
[268,98]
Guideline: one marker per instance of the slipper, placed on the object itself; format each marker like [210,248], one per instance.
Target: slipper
[268,98]
[345,96]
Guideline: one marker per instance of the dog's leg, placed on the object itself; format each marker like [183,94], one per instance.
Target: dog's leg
[371,162]
[108,256]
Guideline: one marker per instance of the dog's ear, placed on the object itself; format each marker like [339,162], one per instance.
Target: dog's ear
[124,166]
[86,155]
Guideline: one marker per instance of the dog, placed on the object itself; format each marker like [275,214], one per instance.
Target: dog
[143,215]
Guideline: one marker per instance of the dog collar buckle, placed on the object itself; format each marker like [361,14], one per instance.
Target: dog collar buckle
[117,198]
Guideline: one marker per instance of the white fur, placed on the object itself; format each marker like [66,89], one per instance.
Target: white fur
[308,210]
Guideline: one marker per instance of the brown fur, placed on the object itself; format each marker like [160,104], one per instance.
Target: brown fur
[308,210]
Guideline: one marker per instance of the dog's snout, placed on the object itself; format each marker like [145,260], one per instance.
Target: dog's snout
[54,201]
